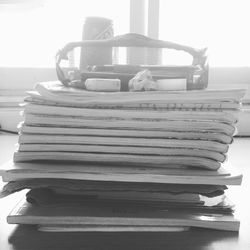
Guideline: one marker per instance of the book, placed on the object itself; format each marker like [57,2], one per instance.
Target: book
[48,197]
[60,130]
[78,215]
[157,115]
[35,98]
[81,187]
[160,201]
[171,161]
[122,141]
[58,149]
[172,125]
[107,228]
[17,171]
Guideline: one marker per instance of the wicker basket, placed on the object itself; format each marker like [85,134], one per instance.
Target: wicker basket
[196,73]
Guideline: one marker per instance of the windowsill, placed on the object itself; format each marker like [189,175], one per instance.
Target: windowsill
[24,78]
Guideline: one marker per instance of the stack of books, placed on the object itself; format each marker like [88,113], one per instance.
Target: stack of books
[124,161]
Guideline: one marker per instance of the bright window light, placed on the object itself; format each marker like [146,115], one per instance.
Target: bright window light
[32,34]
[220,25]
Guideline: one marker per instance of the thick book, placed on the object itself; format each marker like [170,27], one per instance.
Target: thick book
[108,228]
[159,125]
[36,98]
[79,215]
[151,115]
[142,200]
[168,161]
[83,187]
[61,130]
[59,149]
[122,141]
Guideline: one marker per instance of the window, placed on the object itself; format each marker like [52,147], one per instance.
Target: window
[222,26]
[33,31]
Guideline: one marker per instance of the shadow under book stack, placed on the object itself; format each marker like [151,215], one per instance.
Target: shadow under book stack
[124,161]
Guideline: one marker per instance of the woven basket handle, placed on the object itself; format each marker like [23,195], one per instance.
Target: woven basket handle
[129,40]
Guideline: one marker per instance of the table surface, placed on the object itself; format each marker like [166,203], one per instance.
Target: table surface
[28,238]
